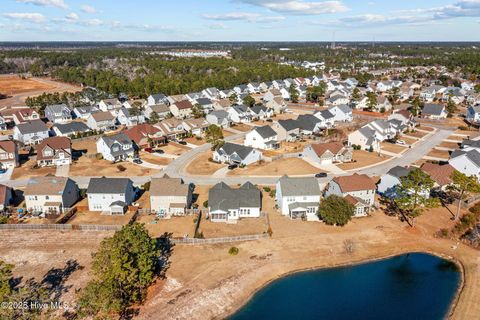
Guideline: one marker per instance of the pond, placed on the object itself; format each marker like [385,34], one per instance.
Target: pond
[409,286]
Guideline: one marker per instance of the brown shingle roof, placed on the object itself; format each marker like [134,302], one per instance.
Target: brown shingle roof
[102,116]
[321,148]
[141,131]
[48,185]
[185,104]
[439,173]
[8,146]
[355,182]
[56,143]
[167,186]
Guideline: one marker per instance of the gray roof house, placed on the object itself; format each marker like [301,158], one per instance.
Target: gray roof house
[69,129]
[85,111]
[32,132]
[118,147]
[220,118]
[298,197]
[58,113]
[390,180]
[236,154]
[228,205]
[434,111]
[110,195]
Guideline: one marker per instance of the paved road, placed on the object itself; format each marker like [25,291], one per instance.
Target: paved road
[177,166]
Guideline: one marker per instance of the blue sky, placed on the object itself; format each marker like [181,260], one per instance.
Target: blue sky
[239,20]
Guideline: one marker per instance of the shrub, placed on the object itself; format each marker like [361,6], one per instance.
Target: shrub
[462,128]
[267,189]
[146,186]
[233,251]
[270,231]
[205,204]
[99,156]
[121,168]
[272,193]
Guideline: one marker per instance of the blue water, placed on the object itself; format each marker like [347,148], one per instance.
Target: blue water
[410,286]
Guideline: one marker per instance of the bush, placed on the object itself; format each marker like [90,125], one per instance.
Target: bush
[233,251]
[99,156]
[463,128]
[270,231]
[121,168]
[205,204]
[267,189]
[146,186]
[272,193]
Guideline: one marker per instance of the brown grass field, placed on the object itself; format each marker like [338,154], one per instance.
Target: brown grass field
[363,159]
[13,85]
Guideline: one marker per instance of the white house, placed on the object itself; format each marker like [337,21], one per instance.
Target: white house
[327,119]
[125,117]
[219,118]
[101,121]
[262,138]
[58,113]
[236,154]
[30,133]
[360,187]
[473,115]
[467,162]
[239,114]
[110,195]
[434,111]
[228,205]
[54,151]
[390,180]
[118,147]
[328,153]
[341,113]
[366,138]
[298,197]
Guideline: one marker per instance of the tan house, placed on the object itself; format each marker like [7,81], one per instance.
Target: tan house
[181,109]
[8,154]
[328,153]
[54,151]
[50,194]
[169,196]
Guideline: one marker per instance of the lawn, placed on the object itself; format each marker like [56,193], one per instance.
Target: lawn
[195,141]
[417,134]
[202,165]
[86,166]
[390,147]
[362,159]
[439,154]
[26,170]
[242,127]
[288,166]
[175,148]
[450,145]
[155,159]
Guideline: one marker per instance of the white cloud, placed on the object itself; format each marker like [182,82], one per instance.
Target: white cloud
[300,7]
[31,17]
[45,3]
[88,9]
[243,16]
[93,22]
[71,17]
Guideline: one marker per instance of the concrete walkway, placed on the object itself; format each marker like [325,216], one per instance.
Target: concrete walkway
[62,170]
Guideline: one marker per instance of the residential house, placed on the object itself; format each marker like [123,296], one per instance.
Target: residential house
[239,114]
[285,93]
[327,119]
[146,135]
[430,93]
[176,98]
[58,113]
[366,138]
[440,173]
[360,187]
[404,116]
[337,100]
[101,121]
[54,151]
[110,195]
[468,145]
[309,124]
[287,130]
[473,115]
[341,113]
[109,105]
[70,129]
[389,182]
[467,162]
[434,111]
[162,110]
[222,104]
[32,132]
[156,99]
[205,103]
[181,109]
[473,99]
[383,104]
[228,205]
[8,154]
[219,118]
[118,147]
[455,94]
[272,94]
[172,128]
[170,196]
[241,89]
[84,112]
[232,153]
[127,118]
[260,112]
[197,127]
[24,115]
[6,197]
[3,123]
[262,138]
[298,197]
[211,93]
[278,105]
[387,85]
[50,194]
[328,153]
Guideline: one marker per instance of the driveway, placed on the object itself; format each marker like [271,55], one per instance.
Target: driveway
[62,170]
[7,175]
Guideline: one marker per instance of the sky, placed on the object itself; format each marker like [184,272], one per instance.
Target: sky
[239,20]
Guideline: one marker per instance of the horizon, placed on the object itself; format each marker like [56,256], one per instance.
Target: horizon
[240,21]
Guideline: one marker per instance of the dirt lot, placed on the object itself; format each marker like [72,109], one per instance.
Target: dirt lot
[87,146]
[289,166]
[90,217]
[92,167]
[408,141]
[456,138]
[287,147]
[471,133]
[363,159]
[25,171]
[425,128]
[203,166]
[175,148]
[12,85]
[417,134]
[392,147]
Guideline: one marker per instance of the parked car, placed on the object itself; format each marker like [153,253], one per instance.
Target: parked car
[269,120]
[149,150]
[2,171]
[232,166]
[401,142]
[183,143]
[137,161]
[160,151]
[321,175]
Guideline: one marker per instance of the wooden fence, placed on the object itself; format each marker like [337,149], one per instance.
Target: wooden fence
[195,241]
